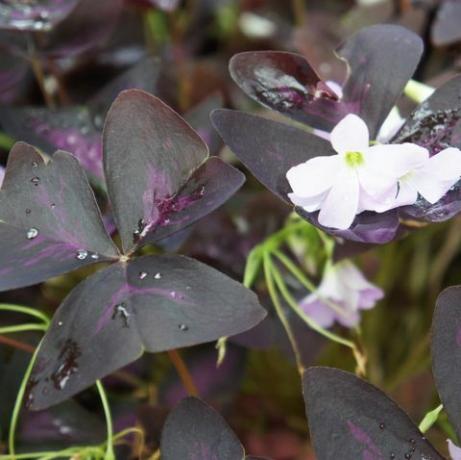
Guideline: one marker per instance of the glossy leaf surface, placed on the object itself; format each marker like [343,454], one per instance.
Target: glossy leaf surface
[152,303]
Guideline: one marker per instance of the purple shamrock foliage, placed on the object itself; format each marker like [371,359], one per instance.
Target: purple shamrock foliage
[365,422]
[286,82]
[445,29]
[67,27]
[77,129]
[50,224]
[195,431]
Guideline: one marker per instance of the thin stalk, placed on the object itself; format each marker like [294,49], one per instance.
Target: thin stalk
[268,274]
[18,404]
[23,328]
[110,431]
[183,372]
[26,310]
[360,359]
[16,344]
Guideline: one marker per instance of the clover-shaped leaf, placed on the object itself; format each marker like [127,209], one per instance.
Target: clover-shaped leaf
[154,189]
[446,352]
[49,219]
[77,129]
[380,60]
[153,303]
[195,431]
[351,419]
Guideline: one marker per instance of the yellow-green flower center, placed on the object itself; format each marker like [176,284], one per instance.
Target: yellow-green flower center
[354,159]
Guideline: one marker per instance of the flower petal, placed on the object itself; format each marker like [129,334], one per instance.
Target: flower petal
[446,165]
[396,159]
[407,194]
[313,177]
[454,450]
[431,188]
[320,312]
[341,204]
[309,204]
[350,135]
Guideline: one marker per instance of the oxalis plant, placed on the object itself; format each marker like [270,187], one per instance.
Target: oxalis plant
[159,180]
[356,173]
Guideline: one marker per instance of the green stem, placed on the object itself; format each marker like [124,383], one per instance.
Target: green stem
[18,404]
[23,328]
[417,91]
[6,142]
[110,431]
[268,273]
[26,310]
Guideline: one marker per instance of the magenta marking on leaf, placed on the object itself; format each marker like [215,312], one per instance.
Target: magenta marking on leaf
[363,438]
[127,291]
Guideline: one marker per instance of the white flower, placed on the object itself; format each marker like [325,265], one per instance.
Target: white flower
[454,451]
[431,178]
[342,293]
[360,177]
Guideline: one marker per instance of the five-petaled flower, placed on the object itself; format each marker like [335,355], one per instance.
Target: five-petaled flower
[342,293]
[364,177]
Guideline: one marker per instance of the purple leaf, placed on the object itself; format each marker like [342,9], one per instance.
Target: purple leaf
[195,431]
[42,15]
[381,59]
[13,70]
[351,420]
[49,221]
[69,129]
[445,29]
[156,173]
[268,148]
[446,352]
[77,130]
[152,303]
[287,83]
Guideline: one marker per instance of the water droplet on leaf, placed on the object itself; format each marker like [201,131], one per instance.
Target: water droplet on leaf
[142,275]
[32,233]
[81,254]
[183,327]
[158,276]
[35,180]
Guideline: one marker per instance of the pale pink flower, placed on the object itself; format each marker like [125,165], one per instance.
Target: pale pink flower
[342,293]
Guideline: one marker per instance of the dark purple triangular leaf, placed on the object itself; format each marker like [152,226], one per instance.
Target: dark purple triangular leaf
[287,83]
[349,419]
[445,29]
[154,169]
[207,189]
[152,303]
[381,59]
[49,220]
[12,71]
[268,148]
[34,16]
[69,129]
[195,431]
[446,352]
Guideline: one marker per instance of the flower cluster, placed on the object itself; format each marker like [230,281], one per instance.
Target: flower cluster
[363,177]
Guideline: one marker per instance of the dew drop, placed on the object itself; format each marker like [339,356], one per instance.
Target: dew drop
[35,180]
[60,323]
[183,327]
[32,233]
[158,276]
[81,254]
[52,205]
[34,164]
[142,275]
[392,456]
[173,294]
[95,256]
[28,211]
[382,426]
